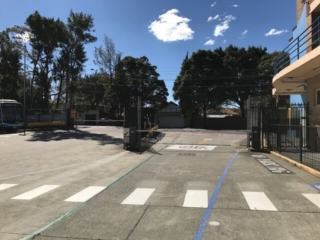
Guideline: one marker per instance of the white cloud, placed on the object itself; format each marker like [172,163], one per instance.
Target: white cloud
[244,32]
[170,27]
[224,41]
[216,17]
[234,5]
[213,18]
[213,4]
[273,32]
[223,26]
[209,42]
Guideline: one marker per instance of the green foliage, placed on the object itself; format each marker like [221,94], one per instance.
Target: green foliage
[211,78]
[137,77]
[196,87]
[9,68]
[91,91]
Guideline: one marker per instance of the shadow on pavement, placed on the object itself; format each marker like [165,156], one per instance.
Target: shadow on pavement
[148,142]
[46,136]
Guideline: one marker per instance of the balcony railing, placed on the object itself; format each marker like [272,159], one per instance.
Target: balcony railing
[305,42]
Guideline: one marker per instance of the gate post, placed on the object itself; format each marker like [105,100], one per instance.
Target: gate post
[279,139]
[300,142]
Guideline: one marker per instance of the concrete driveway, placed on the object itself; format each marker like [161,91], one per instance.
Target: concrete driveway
[192,185]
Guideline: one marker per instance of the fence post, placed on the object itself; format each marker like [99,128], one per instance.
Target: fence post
[279,139]
[300,142]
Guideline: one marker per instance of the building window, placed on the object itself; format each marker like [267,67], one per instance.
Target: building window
[318,97]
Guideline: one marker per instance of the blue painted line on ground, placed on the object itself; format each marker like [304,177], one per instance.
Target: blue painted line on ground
[213,199]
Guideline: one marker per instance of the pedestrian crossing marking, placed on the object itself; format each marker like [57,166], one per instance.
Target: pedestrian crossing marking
[314,198]
[4,186]
[139,196]
[259,201]
[196,198]
[36,192]
[85,194]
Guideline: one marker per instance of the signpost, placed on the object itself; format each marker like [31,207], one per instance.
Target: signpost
[73,113]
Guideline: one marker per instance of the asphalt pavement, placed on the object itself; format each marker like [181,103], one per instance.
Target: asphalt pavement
[192,184]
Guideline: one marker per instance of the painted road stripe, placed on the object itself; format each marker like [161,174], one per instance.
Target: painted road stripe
[36,192]
[196,199]
[138,196]
[259,201]
[4,186]
[192,147]
[85,194]
[213,199]
[203,141]
[314,198]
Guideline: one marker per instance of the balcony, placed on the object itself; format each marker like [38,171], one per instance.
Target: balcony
[315,6]
[299,61]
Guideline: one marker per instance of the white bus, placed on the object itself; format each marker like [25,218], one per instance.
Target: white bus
[11,115]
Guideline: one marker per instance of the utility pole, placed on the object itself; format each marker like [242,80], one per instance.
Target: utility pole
[24,90]
[139,120]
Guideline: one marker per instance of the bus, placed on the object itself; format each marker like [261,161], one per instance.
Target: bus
[11,115]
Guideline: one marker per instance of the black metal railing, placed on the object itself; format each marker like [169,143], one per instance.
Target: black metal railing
[310,38]
[297,142]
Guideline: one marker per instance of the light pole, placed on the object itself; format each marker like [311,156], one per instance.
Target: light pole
[24,37]
[24,91]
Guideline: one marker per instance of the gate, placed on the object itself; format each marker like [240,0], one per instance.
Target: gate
[277,127]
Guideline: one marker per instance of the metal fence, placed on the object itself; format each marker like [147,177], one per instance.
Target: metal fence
[298,142]
[286,130]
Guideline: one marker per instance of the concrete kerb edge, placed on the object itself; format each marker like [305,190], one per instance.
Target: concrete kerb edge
[297,164]
[37,232]
[72,211]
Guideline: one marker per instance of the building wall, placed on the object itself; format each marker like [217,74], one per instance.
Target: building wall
[313,84]
[299,7]
[300,28]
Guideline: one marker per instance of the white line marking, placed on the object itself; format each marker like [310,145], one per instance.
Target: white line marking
[192,147]
[36,192]
[4,186]
[85,194]
[314,198]
[139,196]
[259,201]
[196,198]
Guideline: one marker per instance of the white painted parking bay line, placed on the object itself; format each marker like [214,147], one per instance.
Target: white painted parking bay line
[314,198]
[196,198]
[4,186]
[259,201]
[85,194]
[36,192]
[139,196]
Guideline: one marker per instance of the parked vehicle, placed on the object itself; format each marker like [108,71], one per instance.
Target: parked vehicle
[105,122]
[11,115]
[109,122]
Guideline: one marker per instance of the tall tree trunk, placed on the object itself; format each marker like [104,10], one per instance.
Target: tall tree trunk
[59,92]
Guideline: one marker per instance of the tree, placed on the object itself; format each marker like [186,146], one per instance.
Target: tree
[91,90]
[243,79]
[72,54]
[46,35]
[9,68]
[106,58]
[137,77]
[196,87]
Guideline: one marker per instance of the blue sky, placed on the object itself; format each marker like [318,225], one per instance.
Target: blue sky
[165,30]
